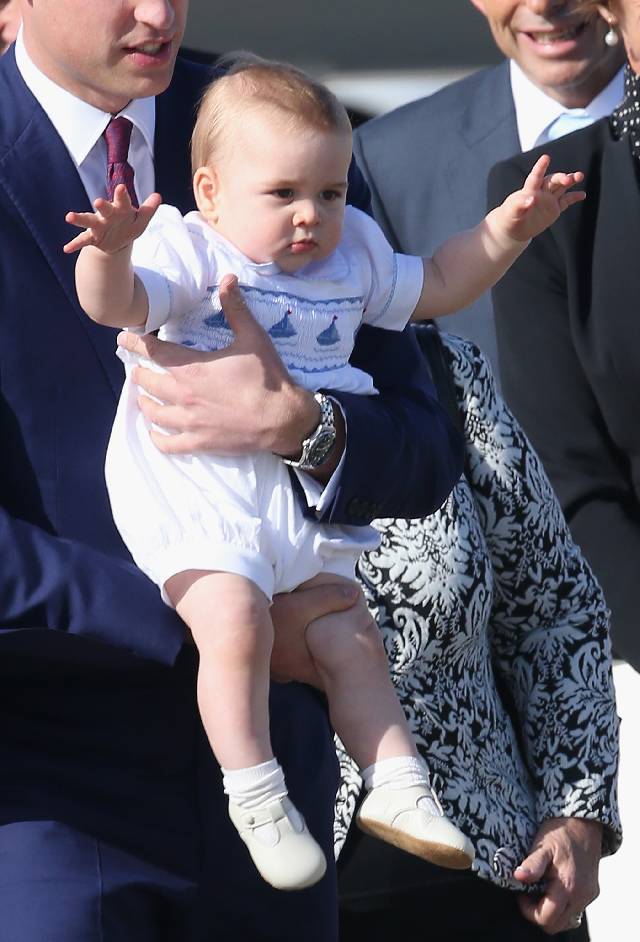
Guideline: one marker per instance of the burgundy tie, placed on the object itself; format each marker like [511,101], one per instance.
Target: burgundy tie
[119,170]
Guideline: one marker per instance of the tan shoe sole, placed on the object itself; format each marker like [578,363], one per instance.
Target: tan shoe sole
[440,854]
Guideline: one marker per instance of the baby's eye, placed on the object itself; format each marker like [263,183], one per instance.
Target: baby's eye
[283,193]
[330,195]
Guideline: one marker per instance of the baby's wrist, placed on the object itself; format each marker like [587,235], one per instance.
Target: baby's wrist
[499,235]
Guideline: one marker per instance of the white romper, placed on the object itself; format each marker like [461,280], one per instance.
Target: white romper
[241,514]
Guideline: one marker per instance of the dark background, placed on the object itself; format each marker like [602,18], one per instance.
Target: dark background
[331,35]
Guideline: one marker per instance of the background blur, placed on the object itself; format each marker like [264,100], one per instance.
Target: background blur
[375,54]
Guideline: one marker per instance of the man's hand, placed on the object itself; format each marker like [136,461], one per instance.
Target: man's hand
[565,855]
[229,402]
[113,226]
[291,614]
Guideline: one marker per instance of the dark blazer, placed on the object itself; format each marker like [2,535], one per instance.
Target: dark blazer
[569,342]
[92,736]
[427,165]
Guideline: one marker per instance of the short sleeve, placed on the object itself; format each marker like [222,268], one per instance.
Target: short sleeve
[171,260]
[393,282]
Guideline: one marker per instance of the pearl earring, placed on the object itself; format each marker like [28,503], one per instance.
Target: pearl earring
[611,38]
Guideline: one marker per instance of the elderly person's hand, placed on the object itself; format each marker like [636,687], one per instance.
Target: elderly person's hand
[228,402]
[565,856]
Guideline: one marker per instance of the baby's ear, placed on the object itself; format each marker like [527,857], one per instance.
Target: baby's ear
[205,189]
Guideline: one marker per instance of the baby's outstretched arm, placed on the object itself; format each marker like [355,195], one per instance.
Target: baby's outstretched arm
[108,289]
[470,263]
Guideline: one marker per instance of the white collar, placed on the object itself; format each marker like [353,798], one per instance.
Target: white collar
[333,268]
[535,110]
[78,123]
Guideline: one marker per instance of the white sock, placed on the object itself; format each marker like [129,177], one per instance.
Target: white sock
[399,772]
[403,772]
[256,786]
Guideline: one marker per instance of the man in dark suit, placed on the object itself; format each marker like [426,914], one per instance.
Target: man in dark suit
[113,824]
[427,163]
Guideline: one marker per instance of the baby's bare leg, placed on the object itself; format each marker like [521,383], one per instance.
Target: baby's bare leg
[229,619]
[350,657]
[400,806]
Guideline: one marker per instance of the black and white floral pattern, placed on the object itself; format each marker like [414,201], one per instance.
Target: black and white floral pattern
[497,637]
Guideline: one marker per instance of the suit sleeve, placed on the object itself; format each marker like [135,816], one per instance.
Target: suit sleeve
[51,586]
[548,388]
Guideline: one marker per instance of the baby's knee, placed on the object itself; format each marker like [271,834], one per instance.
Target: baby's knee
[347,641]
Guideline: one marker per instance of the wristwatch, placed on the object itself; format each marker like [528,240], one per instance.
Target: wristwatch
[317,448]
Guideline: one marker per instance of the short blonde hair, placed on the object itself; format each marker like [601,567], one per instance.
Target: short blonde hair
[251,82]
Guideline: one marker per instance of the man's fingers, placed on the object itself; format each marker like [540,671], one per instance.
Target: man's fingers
[235,309]
[162,352]
[182,443]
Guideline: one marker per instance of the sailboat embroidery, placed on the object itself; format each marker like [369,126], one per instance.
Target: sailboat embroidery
[329,336]
[217,320]
[283,327]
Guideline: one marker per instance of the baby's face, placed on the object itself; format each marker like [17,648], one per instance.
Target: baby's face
[278,192]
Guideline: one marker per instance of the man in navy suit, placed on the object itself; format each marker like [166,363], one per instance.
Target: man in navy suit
[427,163]
[112,819]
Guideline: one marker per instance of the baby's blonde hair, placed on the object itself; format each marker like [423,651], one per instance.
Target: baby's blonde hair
[251,81]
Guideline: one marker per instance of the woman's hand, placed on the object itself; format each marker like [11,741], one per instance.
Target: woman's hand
[565,855]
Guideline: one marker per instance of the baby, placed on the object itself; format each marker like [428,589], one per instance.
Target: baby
[271,151]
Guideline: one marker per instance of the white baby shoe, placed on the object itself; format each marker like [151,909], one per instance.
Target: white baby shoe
[281,847]
[413,820]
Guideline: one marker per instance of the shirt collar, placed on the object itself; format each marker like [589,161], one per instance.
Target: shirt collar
[535,110]
[78,123]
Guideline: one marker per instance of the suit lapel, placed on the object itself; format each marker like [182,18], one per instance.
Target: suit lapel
[41,181]
[486,133]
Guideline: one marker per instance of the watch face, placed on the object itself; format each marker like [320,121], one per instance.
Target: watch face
[321,447]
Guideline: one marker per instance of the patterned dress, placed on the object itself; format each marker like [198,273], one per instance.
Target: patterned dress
[497,636]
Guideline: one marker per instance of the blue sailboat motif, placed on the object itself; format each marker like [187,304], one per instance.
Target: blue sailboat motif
[283,327]
[217,320]
[329,336]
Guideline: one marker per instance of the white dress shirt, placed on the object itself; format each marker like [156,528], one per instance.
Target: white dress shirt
[81,127]
[536,111]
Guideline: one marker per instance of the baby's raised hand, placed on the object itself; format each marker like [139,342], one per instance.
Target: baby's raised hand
[113,225]
[529,211]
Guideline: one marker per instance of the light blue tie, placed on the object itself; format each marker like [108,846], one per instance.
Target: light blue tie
[566,123]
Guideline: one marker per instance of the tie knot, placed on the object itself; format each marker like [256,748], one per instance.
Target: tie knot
[568,122]
[118,135]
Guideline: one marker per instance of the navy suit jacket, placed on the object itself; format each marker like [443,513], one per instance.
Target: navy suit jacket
[93,736]
[427,166]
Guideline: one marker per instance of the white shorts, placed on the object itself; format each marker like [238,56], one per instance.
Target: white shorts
[237,515]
